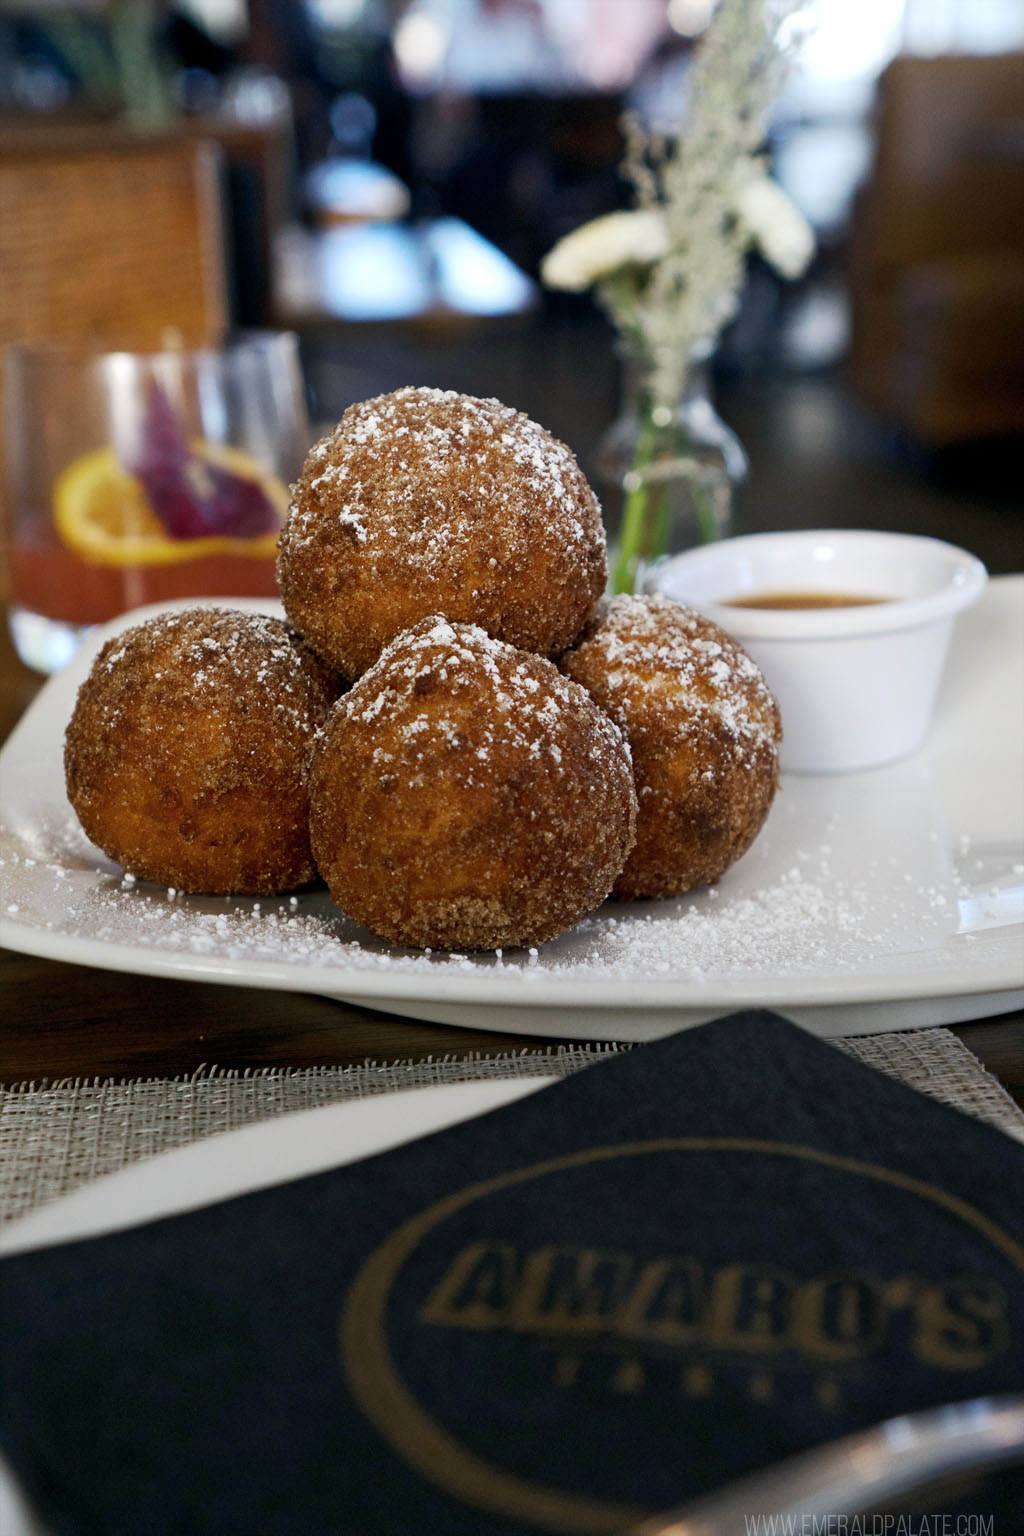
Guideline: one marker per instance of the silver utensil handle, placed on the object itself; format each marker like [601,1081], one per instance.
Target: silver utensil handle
[857,1474]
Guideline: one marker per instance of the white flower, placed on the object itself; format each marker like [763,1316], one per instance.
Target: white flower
[774,224]
[631,238]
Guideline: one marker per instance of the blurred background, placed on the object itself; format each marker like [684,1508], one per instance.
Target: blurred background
[384,177]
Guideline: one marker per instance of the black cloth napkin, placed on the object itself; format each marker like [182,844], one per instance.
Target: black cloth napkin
[681,1264]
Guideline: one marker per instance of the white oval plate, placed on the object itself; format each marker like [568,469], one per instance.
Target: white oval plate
[881,900]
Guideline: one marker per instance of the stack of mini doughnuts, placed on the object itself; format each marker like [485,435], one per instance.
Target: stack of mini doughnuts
[468,744]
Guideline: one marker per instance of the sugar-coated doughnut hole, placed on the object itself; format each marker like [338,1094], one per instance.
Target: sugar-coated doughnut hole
[704,730]
[466,795]
[426,501]
[187,755]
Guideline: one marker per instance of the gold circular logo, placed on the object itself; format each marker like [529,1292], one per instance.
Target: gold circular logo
[437,1454]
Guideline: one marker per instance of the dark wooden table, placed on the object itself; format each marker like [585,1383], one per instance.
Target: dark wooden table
[65,1021]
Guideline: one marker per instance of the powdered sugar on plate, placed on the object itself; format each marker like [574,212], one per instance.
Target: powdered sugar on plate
[905,883]
[802,920]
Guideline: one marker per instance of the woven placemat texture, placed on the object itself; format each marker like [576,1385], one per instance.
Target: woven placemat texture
[55,1137]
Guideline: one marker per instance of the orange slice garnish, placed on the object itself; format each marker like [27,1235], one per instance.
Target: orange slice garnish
[101,511]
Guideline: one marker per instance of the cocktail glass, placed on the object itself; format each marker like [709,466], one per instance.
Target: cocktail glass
[137,478]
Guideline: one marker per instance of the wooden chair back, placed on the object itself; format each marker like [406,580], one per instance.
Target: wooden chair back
[936,250]
[948,177]
[117,245]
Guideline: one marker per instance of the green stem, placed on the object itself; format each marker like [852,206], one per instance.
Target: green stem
[632,541]
[702,505]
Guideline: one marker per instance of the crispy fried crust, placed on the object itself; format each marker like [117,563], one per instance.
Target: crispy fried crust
[704,730]
[426,501]
[465,795]
[187,754]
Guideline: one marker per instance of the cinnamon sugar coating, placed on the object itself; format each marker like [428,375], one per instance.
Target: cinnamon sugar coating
[425,501]
[466,795]
[187,754]
[704,730]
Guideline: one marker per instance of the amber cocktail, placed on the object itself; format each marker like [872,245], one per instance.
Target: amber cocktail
[142,477]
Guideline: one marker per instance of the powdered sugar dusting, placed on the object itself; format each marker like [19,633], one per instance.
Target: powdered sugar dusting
[218,652]
[689,668]
[511,700]
[478,438]
[818,914]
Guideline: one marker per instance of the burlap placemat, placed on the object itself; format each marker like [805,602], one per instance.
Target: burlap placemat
[56,1137]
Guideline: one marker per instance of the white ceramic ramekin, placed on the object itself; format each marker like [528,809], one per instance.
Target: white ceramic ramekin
[856,685]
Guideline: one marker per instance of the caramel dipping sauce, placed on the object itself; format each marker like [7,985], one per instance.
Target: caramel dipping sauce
[801,600]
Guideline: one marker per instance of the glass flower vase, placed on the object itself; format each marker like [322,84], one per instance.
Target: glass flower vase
[672,477]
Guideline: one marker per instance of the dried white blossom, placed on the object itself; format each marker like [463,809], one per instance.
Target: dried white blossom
[700,200]
[600,248]
[774,224]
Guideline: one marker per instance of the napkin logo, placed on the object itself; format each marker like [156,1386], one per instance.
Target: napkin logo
[581,1295]
[505,1321]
